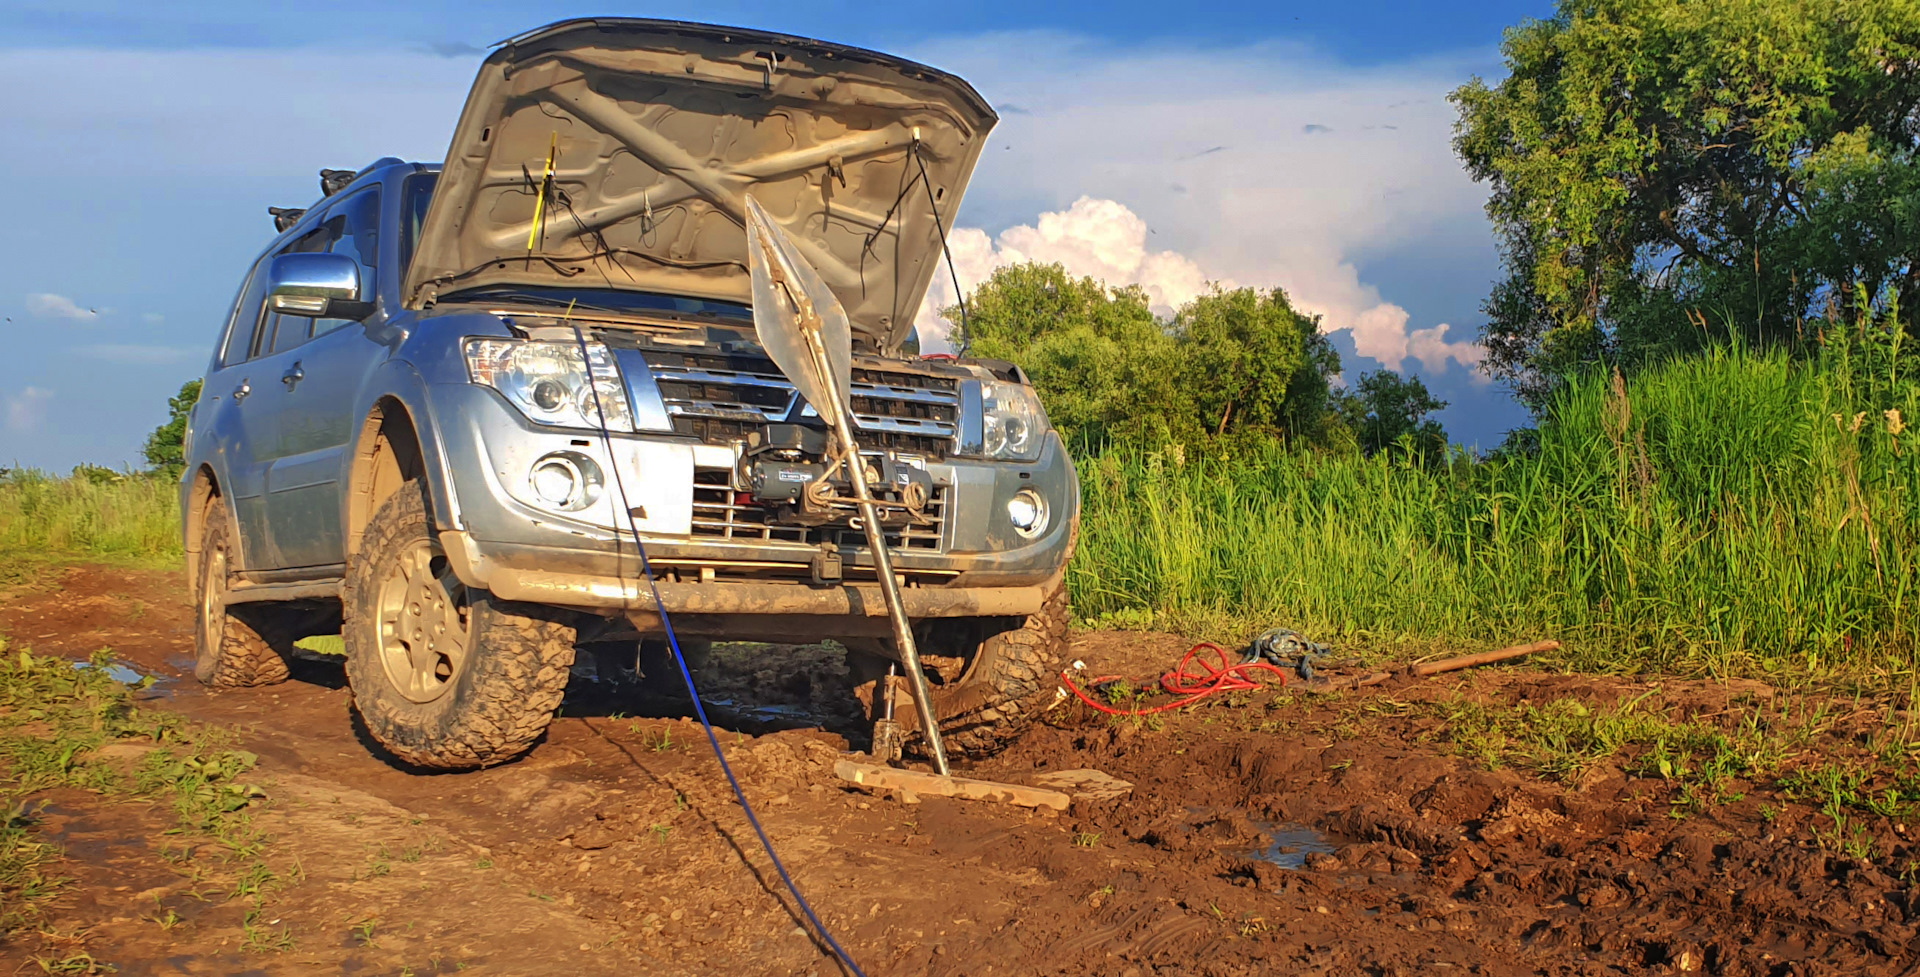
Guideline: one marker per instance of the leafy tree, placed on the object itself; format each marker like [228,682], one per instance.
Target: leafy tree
[1230,366]
[1665,172]
[165,450]
[1387,410]
[1253,364]
[1097,355]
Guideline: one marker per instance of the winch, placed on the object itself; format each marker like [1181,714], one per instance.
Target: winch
[786,469]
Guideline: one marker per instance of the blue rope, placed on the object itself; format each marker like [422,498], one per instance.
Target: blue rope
[673,641]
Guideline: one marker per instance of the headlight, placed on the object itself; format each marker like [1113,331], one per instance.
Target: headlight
[548,381]
[1012,421]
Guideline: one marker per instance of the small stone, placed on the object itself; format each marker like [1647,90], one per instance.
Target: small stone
[1685,958]
[1323,862]
[1322,910]
[1499,831]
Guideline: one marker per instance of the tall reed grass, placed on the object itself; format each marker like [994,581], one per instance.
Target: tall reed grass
[1737,512]
[132,517]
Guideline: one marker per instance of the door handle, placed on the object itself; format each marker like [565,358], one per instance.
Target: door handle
[240,392]
[293,376]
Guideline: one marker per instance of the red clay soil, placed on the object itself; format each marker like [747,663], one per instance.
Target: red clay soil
[617,848]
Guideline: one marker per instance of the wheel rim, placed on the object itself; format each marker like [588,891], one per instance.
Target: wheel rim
[213,599]
[423,623]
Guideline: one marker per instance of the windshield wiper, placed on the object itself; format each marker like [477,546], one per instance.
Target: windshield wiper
[480,295]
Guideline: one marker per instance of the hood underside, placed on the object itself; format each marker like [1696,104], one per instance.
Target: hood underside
[657,131]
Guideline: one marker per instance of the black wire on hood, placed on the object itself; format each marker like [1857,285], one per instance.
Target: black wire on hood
[946,251]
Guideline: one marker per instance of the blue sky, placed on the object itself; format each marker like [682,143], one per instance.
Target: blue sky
[1298,145]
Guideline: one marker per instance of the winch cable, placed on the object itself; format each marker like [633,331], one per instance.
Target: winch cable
[673,642]
[1192,686]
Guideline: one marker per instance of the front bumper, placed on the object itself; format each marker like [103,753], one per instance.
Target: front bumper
[502,541]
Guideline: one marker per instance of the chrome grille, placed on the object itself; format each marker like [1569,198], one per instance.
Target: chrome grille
[718,514]
[719,397]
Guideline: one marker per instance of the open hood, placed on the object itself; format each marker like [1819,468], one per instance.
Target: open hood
[658,130]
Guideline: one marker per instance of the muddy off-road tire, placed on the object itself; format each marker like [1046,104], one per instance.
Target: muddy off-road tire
[234,646]
[1004,674]
[443,676]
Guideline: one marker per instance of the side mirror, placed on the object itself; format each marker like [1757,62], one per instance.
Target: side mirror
[318,286]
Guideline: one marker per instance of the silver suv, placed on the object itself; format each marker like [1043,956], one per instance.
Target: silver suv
[440,384]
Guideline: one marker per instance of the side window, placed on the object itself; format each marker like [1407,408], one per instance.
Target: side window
[419,195]
[360,234]
[279,333]
[246,315]
[355,224]
[316,241]
[290,331]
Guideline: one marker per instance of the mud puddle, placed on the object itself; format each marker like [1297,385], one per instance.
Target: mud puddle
[119,673]
[1293,844]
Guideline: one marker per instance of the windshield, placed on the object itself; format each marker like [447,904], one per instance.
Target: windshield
[606,300]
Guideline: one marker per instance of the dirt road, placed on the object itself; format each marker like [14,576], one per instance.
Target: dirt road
[1365,833]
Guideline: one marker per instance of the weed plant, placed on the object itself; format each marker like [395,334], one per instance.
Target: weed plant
[55,720]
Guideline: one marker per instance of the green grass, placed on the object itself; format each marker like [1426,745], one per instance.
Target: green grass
[1738,512]
[1733,513]
[55,720]
[134,517]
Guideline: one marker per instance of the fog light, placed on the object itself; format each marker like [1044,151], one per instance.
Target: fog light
[1028,512]
[565,480]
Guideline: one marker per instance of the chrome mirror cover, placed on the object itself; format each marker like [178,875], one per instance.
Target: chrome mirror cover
[316,285]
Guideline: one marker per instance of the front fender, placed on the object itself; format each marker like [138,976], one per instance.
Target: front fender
[430,352]
[397,381]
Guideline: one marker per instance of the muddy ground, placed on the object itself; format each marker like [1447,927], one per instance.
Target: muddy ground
[1268,833]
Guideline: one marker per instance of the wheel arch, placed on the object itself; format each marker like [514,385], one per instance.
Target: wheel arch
[200,496]
[388,453]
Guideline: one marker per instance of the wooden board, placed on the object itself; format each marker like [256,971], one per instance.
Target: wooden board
[1088,785]
[932,784]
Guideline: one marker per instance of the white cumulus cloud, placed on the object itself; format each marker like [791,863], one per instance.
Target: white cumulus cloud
[47,305]
[1103,239]
[1263,164]
[27,410]
[1099,239]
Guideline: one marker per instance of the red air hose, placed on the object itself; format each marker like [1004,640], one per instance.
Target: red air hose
[1191,686]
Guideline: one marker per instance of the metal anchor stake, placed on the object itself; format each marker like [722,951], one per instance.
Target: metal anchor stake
[803,327]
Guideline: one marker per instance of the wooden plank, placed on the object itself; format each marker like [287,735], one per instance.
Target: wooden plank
[871,775]
[1483,658]
[1424,669]
[1089,785]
